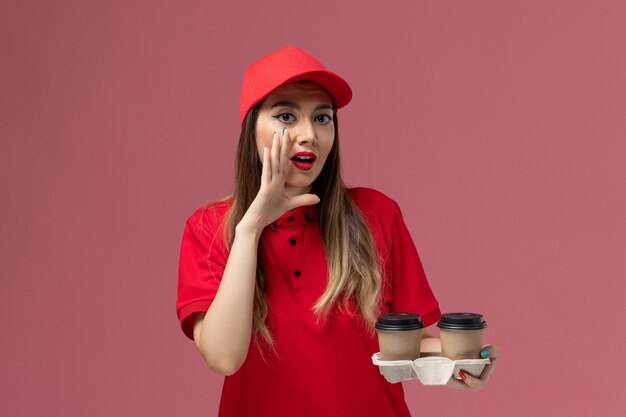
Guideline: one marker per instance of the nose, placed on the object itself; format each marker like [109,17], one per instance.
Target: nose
[305,133]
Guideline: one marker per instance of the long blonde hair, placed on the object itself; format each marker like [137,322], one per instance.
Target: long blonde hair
[353,261]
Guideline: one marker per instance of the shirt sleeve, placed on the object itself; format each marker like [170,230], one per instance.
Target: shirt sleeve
[201,265]
[410,288]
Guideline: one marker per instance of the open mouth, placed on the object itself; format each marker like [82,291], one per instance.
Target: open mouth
[304,160]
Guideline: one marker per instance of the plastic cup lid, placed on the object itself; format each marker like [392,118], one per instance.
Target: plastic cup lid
[399,322]
[462,321]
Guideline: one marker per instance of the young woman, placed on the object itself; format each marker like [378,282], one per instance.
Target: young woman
[280,284]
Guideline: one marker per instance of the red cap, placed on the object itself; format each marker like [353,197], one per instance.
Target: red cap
[287,65]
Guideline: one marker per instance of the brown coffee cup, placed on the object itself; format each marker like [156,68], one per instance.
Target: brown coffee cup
[399,336]
[461,335]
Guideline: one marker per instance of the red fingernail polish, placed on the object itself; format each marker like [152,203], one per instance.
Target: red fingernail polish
[462,375]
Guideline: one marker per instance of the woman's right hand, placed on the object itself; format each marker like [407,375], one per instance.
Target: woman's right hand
[271,201]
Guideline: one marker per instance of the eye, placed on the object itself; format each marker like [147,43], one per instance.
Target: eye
[285,117]
[323,119]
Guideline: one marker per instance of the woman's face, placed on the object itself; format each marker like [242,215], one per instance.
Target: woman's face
[305,109]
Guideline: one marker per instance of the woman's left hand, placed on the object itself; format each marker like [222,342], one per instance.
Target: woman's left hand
[469,382]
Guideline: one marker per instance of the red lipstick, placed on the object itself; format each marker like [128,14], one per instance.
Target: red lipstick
[304,160]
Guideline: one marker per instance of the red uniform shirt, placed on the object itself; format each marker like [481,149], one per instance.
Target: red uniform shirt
[323,369]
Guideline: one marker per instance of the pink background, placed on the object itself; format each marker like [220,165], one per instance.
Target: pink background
[498,126]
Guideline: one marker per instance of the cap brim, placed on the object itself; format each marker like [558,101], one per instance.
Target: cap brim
[333,83]
[336,86]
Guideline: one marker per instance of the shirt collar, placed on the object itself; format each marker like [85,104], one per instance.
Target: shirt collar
[306,212]
[296,217]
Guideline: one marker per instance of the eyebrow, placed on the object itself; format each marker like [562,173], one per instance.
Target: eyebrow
[296,107]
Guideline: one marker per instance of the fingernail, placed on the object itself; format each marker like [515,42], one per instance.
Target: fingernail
[484,353]
[284,128]
[462,375]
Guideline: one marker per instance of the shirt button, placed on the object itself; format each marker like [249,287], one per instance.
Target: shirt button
[293,242]
[297,273]
[306,216]
[290,218]
[274,225]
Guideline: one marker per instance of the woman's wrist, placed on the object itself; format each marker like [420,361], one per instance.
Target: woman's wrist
[248,230]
